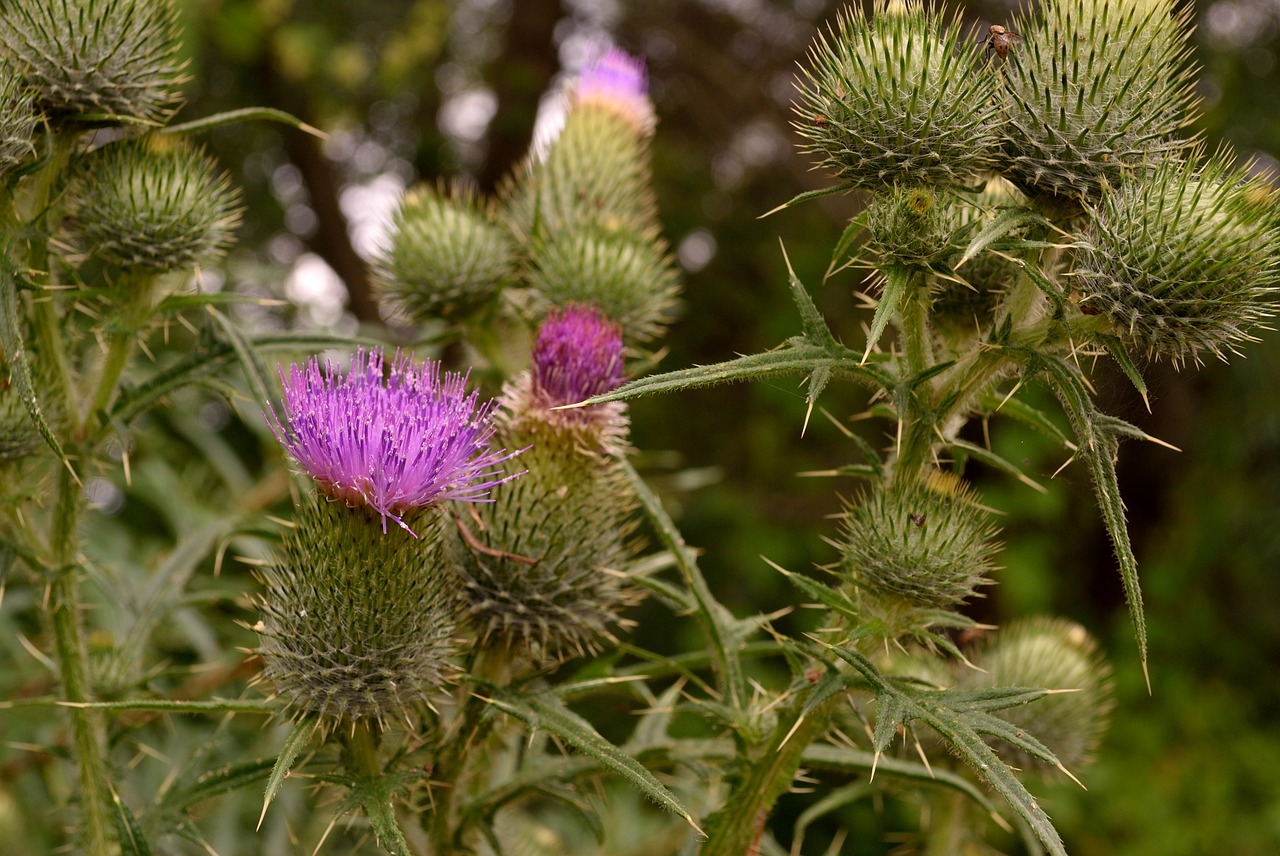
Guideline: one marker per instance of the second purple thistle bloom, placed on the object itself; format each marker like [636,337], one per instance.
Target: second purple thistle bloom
[392,440]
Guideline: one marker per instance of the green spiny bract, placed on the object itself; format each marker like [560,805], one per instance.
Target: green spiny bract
[1183,260]
[1094,90]
[1058,655]
[152,203]
[446,257]
[19,437]
[595,173]
[962,311]
[919,545]
[899,98]
[911,226]
[544,574]
[96,59]
[357,624]
[630,279]
[17,120]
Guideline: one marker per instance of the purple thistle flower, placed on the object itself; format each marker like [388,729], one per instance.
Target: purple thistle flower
[410,440]
[618,81]
[578,354]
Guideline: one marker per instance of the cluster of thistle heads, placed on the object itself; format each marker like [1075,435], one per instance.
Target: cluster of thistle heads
[434,518]
[1077,108]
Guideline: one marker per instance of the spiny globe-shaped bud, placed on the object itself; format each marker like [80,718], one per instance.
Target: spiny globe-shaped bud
[1183,260]
[153,203]
[1054,654]
[595,172]
[578,354]
[544,567]
[924,544]
[17,120]
[630,279]
[912,226]
[95,59]
[898,97]
[1094,89]
[446,257]
[357,623]
[391,439]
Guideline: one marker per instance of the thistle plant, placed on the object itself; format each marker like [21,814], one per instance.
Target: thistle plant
[452,545]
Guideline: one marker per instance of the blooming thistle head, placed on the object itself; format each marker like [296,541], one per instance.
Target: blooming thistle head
[618,82]
[393,440]
[578,354]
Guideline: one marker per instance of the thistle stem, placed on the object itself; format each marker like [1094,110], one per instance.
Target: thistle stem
[69,648]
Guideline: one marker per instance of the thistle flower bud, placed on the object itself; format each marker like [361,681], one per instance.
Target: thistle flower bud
[595,172]
[1054,654]
[911,226]
[154,203]
[898,98]
[616,82]
[357,624]
[95,59]
[17,120]
[392,443]
[922,544]
[1094,89]
[543,569]
[578,354]
[630,279]
[1182,260]
[446,257]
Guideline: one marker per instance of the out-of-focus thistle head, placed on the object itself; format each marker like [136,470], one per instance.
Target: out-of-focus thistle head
[447,256]
[578,354]
[1094,90]
[618,83]
[594,173]
[1183,259]
[96,59]
[17,120]
[921,545]
[1054,654]
[391,438]
[544,568]
[630,278]
[153,203]
[357,623]
[898,97]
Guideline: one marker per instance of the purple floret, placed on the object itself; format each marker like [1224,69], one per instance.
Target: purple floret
[411,439]
[619,82]
[578,354]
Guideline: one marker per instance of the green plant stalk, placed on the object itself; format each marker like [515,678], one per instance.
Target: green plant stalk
[738,824]
[63,606]
[119,349]
[913,320]
[360,757]
[459,744]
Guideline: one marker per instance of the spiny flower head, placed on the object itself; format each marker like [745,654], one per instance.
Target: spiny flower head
[393,441]
[618,82]
[98,59]
[898,97]
[1182,259]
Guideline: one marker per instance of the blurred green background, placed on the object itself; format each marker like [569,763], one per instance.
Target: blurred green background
[417,91]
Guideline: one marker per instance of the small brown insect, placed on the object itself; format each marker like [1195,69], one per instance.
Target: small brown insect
[1000,40]
[917,519]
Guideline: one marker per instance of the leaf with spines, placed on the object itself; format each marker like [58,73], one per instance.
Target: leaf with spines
[964,720]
